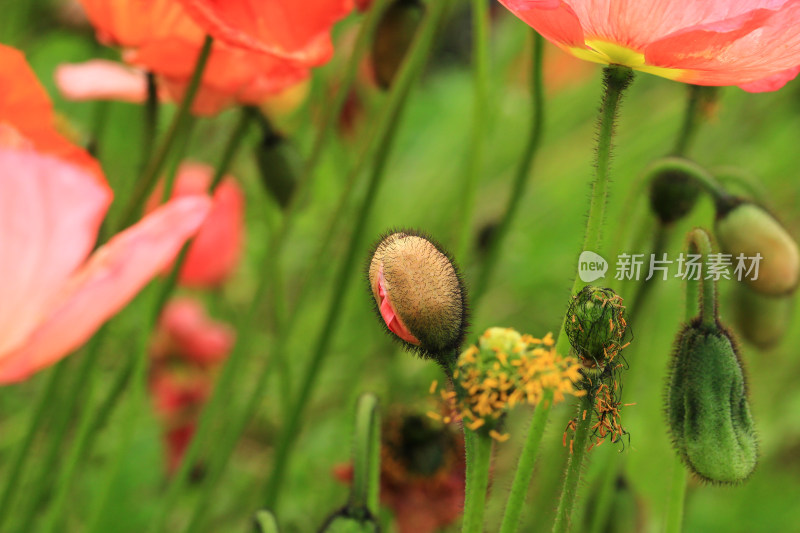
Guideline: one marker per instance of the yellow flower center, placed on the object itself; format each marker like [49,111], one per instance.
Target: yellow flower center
[608,53]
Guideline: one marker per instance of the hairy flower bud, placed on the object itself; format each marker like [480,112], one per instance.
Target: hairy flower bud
[393,38]
[761,319]
[750,230]
[707,406]
[596,327]
[419,294]
[673,194]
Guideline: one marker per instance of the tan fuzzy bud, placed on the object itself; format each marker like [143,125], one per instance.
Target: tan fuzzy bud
[750,230]
[418,293]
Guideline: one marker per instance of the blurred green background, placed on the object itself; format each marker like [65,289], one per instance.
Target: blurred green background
[529,290]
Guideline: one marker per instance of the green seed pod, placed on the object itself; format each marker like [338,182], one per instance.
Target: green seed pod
[419,294]
[279,164]
[762,320]
[393,38]
[673,194]
[596,327]
[707,406]
[341,522]
[745,228]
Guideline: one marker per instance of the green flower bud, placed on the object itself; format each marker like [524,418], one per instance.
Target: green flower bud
[278,164]
[596,327]
[419,294]
[342,523]
[745,228]
[707,406]
[761,319]
[393,38]
[673,194]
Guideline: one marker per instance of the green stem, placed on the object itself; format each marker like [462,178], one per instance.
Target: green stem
[480,78]
[700,243]
[386,132]
[156,164]
[615,79]
[691,118]
[366,457]
[677,497]
[605,495]
[578,446]
[478,463]
[527,460]
[150,126]
[21,452]
[266,523]
[520,182]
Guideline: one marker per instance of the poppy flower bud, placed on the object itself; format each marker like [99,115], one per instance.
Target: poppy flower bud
[278,163]
[707,406]
[761,319]
[419,294]
[341,523]
[750,230]
[596,327]
[393,38]
[673,194]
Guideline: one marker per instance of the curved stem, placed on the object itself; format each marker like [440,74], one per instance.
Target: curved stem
[700,243]
[527,460]
[523,171]
[703,177]
[477,481]
[388,126]
[579,445]
[156,164]
[480,79]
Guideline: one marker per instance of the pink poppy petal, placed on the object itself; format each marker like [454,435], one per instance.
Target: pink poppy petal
[771,83]
[50,212]
[99,79]
[106,283]
[747,48]
[555,20]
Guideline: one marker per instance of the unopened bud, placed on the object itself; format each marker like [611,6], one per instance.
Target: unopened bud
[673,194]
[341,523]
[707,406]
[393,38]
[762,320]
[749,230]
[278,164]
[596,327]
[419,294]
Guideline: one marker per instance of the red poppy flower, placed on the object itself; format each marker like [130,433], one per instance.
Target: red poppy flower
[754,44]
[26,113]
[285,28]
[215,252]
[187,332]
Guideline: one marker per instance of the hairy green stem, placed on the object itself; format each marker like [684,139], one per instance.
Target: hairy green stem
[578,448]
[700,243]
[156,164]
[386,133]
[475,159]
[527,460]
[522,174]
[478,464]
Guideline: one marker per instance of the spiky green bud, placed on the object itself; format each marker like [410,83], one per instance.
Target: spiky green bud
[596,326]
[707,406]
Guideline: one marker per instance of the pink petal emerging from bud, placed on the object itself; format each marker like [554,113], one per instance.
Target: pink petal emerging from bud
[100,79]
[393,322]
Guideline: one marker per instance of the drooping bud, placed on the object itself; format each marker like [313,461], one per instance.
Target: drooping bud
[393,38]
[707,406]
[673,194]
[279,165]
[743,228]
[506,369]
[761,319]
[596,327]
[419,294]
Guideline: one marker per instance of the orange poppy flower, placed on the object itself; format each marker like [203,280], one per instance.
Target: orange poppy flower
[286,28]
[26,113]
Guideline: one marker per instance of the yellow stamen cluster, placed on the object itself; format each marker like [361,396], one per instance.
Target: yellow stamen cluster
[506,369]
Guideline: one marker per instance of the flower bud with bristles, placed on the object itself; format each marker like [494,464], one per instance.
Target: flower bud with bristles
[419,294]
[596,327]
